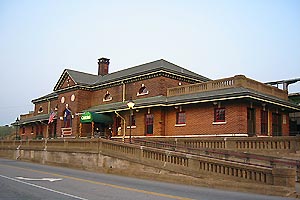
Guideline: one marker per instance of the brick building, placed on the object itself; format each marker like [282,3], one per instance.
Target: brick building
[169,101]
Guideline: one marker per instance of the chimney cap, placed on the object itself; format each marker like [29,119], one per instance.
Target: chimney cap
[103,60]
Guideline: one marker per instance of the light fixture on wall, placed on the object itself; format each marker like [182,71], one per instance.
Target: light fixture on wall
[130,105]
[17,125]
[264,106]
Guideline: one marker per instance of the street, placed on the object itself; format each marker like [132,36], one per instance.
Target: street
[22,180]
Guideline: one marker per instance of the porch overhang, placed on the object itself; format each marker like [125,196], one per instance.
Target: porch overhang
[34,119]
[89,117]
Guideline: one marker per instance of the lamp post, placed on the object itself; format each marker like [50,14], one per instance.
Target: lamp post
[130,105]
[17,124]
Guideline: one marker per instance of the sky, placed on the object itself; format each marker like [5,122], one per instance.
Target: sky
[215,38]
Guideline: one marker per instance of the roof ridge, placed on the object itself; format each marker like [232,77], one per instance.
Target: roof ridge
[126,69]
[80,72]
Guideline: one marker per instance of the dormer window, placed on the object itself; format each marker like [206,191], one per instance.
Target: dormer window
[143,90]
[107,97]
[40,109]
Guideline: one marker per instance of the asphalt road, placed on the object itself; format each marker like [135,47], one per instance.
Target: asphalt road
[21,180]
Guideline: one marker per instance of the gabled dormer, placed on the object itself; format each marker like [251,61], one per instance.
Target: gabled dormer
[71,78]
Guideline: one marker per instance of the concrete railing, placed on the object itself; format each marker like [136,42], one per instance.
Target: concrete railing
[236,81]
[289,144]
[193,165]
[179,162]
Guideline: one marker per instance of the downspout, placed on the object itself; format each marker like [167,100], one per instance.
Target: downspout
[123,138]
[123,93]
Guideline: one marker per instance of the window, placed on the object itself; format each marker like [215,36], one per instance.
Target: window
[180,118]
[40,109]
[264,122]
[219,114]
[107,97]
[23,130]
[276,124]
[149,124]
[143,90]
[133,120]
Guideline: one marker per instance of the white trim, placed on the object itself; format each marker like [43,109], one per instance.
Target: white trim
[62,79]
[142,94]
[132,127]
[179,125]
[106,100]
[219,123]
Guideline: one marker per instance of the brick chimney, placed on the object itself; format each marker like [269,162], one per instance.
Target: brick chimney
[103,64]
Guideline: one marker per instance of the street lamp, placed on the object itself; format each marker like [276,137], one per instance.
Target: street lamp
[17,124]
[130,105]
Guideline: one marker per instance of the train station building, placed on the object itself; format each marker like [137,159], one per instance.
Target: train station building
[156,99]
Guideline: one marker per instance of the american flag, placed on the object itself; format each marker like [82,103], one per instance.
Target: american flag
[51,117]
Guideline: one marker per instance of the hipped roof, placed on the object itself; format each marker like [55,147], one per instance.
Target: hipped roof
[91,80]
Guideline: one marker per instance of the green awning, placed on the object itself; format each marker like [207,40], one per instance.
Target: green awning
[89,117]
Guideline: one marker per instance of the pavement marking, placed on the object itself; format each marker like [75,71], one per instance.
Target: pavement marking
[104,184]
[44,188]
[39,179]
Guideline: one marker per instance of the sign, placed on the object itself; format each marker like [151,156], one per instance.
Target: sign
[86,117]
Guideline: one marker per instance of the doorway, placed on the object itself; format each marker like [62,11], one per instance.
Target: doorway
[251,121]
[149,124]
[276,124]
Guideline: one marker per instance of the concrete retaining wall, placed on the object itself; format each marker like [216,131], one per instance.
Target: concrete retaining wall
[132,160]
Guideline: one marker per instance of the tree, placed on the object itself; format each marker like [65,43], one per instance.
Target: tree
[6,130]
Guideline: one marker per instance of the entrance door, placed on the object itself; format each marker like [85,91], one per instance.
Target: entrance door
[149,124]
[251,121]
[276,124]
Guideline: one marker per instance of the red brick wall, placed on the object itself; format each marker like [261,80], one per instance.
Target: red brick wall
[115,92]
[200,120]
[83,100]
[44,106]
[140,128]
[62,106]
[32,133]
[156,86]
[27,134]
[66,84]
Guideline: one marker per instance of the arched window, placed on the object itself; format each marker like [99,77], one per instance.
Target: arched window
[143,90]
[107,97]
[40,109]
